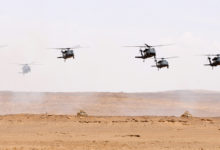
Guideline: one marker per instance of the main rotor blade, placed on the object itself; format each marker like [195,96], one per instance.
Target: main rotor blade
[160,45]
[64,48]
[17,64]
[135,46]
[61,48]
[146,45]
[168,57]
[2,46]
[34,63]
[77,46]
[22,64]
[209,55]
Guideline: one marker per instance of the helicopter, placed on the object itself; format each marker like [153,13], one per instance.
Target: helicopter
[213,62]
[148,52]
[26,67]
[67,52]
[162,62]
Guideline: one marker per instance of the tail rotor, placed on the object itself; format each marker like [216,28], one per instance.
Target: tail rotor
[210,62]
[141,51]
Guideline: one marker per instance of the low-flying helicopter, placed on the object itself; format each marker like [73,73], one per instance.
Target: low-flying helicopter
[215,61]
[67,52]
[26,67]
[162,62]
[148,51]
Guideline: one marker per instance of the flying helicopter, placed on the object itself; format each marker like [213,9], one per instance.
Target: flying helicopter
[162,62]
[213,62]
[67,52]
[26,67]
[148,51]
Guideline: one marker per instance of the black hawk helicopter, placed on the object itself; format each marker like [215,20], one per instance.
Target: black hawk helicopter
[213,62]
[26,67]
[162,62]
[148,52]
[67,52]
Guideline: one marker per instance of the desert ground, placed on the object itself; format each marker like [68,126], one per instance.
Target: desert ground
[47,121]
[48,132]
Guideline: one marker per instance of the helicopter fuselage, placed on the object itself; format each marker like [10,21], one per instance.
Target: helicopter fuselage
[147,53]
[67,54]
[162,63]
[214,62]
[26,69]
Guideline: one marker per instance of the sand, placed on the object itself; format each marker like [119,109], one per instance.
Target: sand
[116,121]
[61,132]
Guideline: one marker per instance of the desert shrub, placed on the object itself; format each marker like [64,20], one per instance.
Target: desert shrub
[186,114]
[81,113]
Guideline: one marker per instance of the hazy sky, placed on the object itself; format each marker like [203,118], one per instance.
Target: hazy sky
[29,27]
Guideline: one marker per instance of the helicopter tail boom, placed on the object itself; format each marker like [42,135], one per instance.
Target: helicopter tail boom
[154,66]
[139,57]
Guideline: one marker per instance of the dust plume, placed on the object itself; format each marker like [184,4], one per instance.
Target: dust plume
[199,103]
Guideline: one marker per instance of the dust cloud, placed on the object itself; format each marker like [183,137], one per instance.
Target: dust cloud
[171,103]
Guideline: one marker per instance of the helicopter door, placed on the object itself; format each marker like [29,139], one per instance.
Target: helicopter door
[70,52]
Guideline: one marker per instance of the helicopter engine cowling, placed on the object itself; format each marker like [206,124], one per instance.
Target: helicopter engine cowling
[152,50]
